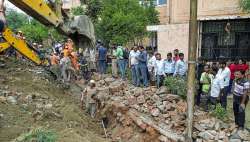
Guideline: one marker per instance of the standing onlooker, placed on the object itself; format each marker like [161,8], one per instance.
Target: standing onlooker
[133,64]
[102,58]
[126,57]
[114,62]
[206,80]
[142,58]
[169,65]
[176,55]
[242,65]
[240,98]
[214,68]
[150,65]
[120,61]
[159,70]
[180,67]
[199,70]
[233,68]
[224,75]
[216,87]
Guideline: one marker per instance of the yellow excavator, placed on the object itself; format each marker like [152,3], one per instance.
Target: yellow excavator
[79,28]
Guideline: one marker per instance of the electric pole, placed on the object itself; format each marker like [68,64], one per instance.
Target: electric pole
[193,33]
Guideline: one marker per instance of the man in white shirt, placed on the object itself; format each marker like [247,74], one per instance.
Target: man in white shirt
[159,70]
[151,70]
[224,77]
[133,65]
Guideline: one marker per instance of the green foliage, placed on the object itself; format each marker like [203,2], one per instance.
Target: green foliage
[245,5]
[32,29]
[122,21]
[176,85]
[15,19]
[94,9]
[79,10]
[219,112]
[40,135]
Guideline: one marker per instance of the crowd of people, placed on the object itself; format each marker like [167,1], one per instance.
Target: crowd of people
[143,67]
[217,80]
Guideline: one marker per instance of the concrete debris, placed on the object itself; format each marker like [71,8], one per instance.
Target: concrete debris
[156,109]
[12,100]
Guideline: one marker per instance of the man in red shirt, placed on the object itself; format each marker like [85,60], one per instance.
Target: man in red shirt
[176,55]
[233,68]
[242,65]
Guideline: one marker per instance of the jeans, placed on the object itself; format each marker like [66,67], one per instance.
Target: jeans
[122,68]
[229,90]
[102,66]
[144,73]
[239,116]
[198,96]
[135,75]
[223,97]
[159,80]
[114,68]
[91,109]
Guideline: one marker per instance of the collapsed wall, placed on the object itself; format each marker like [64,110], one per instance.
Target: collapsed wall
[154,115]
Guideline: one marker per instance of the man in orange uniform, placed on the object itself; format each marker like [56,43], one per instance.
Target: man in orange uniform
[70,45]
[54,59]
[74,60]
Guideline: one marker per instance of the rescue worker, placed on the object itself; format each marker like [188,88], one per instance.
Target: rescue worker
[74,60]
[70,44]
[54,59]
[90,94]
[65,65]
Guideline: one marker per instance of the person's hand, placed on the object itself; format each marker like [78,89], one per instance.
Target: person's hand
[242,108]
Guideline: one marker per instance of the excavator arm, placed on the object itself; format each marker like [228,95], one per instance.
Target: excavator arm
[20,45]
[42,12]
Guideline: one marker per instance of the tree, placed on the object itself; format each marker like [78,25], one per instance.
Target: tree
[79,10]
[32,29]
[245,5]
[94,9]
[15,19]
[122,21]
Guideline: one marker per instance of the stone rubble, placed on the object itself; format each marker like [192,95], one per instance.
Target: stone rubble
[154,111]
[165,113]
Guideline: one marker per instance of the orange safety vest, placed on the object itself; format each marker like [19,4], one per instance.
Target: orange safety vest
[74,60]
[54,60]
[70,46]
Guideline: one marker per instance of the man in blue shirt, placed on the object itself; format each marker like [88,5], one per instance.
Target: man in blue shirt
[180,67]
[169,65]
[102,58]
[142,58]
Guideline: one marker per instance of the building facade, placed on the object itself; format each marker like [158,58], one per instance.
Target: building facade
[68,4]
[224,30]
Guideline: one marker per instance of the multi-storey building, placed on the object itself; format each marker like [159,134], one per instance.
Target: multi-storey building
[224,30]
[68,4]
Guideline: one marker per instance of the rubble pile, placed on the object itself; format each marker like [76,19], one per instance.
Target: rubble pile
[152,108]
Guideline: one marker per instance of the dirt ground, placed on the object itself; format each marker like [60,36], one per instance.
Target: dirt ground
[70,123]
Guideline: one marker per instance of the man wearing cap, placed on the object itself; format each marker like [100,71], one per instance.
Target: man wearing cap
[89,94]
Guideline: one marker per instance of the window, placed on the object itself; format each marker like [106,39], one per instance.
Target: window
[161,2]
[222,41]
